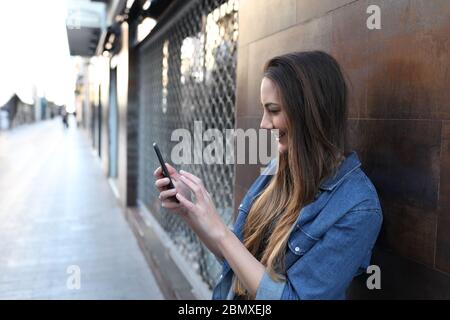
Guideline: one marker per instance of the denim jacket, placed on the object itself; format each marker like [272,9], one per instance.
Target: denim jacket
[331,241]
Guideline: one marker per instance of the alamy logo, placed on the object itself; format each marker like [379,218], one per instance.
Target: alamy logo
[374,280]
[374,20]
[228,148]
[74,280]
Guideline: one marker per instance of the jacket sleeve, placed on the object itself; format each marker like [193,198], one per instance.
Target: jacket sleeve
[327,269]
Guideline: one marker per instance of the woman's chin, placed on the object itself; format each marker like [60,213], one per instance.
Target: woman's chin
[282,148]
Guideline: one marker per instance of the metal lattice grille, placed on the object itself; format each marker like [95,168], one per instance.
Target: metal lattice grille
[187,75]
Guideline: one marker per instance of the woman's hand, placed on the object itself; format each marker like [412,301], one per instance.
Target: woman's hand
[204,220]
[166,196]
[202,215]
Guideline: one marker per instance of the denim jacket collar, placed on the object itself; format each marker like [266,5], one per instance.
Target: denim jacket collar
[350,163]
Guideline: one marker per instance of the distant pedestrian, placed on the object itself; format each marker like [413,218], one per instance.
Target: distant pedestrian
[65,118]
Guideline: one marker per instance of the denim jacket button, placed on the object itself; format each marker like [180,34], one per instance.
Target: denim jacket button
[297,249]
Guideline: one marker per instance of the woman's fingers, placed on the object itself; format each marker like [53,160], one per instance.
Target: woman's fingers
[196,180]
[172,171]
[195,188]
[162,183]
[192,177]
[158,173]
[167,194]
[168,204]
[185,202]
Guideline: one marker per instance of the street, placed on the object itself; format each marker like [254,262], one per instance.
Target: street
[58,214]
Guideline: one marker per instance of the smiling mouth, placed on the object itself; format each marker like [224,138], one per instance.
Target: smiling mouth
[280,135]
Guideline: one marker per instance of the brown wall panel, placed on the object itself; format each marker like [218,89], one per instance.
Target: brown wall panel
[443,231]
[311,35]
[409,232]
[399,112]
[241,84]
[401,278]
[347,48]
[270,16]
[409,62]
[401,157]
[443,243]
[311,9]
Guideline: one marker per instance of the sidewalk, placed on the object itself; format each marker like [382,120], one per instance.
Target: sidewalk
[57,210]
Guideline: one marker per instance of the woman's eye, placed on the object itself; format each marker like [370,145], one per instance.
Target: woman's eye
[274,111]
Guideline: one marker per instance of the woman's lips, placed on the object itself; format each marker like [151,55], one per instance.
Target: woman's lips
[280,135]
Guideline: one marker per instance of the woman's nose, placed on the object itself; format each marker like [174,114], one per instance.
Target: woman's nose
[266,123]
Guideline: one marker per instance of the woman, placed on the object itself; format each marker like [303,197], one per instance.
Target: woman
[306,231]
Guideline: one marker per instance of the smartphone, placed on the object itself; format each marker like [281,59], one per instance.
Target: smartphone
[165,172]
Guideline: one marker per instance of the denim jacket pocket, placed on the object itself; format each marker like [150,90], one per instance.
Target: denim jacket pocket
[298,244]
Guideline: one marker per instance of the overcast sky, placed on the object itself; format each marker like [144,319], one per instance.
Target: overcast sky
[34,53]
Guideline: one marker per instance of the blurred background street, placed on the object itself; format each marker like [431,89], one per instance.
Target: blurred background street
[58,210]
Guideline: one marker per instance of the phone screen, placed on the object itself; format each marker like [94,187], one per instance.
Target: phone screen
[165,172]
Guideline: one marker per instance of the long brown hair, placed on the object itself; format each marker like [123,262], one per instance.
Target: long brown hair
[313,94]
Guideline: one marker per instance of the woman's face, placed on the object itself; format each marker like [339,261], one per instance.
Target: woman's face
[274,116]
